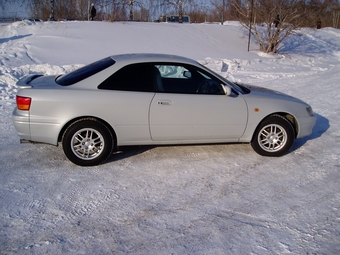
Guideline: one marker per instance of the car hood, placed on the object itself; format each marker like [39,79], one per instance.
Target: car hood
[264,92]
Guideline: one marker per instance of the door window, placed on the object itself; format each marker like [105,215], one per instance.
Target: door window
[188,79]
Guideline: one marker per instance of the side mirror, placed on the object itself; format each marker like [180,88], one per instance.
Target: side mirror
[187,74]
[227,89]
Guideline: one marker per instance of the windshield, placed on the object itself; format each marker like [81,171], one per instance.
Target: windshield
[84,72]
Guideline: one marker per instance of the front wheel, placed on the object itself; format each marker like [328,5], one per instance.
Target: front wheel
[274,137]
[87,142]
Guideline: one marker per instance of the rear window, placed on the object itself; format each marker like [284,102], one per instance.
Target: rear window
[84,72]
[134,77]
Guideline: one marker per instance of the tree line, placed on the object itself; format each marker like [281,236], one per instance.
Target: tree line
[305,13]
[112,10]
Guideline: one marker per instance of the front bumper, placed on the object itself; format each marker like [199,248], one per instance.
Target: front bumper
[306,126]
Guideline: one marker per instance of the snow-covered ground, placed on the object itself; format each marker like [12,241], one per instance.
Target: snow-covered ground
[205,199]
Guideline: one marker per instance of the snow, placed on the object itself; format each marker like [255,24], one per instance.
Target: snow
[204,199]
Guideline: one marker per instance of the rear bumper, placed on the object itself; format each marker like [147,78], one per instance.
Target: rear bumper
[35,129]
[21,123]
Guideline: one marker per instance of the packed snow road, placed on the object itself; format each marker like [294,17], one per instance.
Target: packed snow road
[204,199]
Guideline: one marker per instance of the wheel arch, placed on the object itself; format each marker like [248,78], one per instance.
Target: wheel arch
[285,115]
[62,131]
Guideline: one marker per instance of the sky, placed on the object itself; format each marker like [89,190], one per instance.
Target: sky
[203,199]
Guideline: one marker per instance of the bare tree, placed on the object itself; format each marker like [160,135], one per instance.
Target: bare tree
[118,11]
[336,18]
[139,4]
[131,2]
[226,9]
[179,5]
[273,20]
[52,10]
[83,9]
[40,8]
[142,14]
[331,13]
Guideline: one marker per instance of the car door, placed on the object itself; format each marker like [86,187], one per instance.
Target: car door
[193,106]
[125,103]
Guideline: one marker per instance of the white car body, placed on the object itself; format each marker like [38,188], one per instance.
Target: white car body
[154,117]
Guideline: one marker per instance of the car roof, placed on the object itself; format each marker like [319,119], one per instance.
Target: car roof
[151,57]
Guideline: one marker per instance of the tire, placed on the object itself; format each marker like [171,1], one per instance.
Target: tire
[87,142]
[274,137]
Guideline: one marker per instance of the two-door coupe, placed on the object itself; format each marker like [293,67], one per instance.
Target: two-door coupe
[153,99]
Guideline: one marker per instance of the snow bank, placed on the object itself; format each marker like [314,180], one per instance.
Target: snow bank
[212,199]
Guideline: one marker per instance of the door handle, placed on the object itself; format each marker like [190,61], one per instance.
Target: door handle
[165,102]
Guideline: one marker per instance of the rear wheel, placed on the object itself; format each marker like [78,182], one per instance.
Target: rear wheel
[87,142]
[273,137]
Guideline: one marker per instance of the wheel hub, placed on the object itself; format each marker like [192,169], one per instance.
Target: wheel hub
[87,144]
[272,138]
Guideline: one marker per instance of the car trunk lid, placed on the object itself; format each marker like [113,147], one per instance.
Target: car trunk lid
[36,80]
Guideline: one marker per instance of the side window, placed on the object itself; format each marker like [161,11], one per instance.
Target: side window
[186,79]
[134,77]
[175,79]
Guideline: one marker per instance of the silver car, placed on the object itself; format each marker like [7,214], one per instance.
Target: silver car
[153,99]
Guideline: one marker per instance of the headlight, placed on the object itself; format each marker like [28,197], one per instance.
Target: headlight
[310,111]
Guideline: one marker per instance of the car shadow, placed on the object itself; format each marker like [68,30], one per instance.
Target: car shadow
[321,126]
[16,37]
[128,151]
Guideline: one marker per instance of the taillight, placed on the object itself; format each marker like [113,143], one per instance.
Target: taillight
[23,103]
